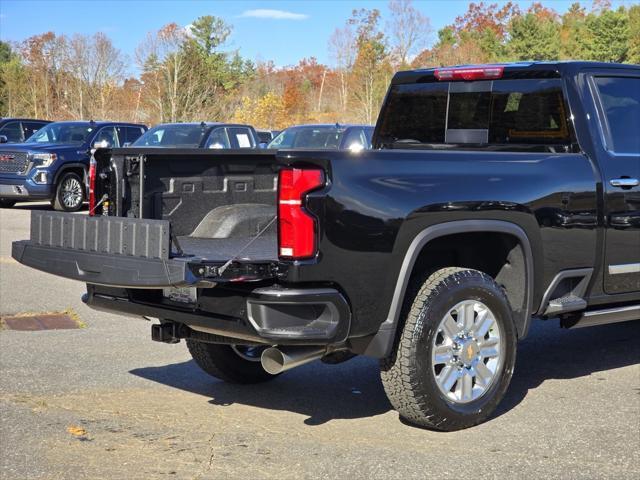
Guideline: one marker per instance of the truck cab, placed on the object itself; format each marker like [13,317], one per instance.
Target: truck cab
[52,164]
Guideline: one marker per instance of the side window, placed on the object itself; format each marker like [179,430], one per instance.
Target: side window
[29,128]
[218,139]
[355,139]
[620,99]
[109,135]
[240,137]
[133,133]
[12,131]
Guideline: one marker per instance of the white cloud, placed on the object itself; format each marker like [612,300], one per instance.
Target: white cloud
[274,14]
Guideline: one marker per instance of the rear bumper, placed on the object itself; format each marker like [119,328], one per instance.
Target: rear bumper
[275,314]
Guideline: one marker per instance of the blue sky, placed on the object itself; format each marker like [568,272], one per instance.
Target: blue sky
[302,29]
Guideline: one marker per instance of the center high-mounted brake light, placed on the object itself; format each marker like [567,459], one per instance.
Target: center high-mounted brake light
[92,186]
[474,73]
[297,229]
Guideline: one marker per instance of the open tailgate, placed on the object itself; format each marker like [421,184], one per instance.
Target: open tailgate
[125,252]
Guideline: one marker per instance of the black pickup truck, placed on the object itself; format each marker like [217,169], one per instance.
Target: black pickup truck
[493,195]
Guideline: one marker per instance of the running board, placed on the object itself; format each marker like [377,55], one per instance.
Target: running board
[603,317]
[566,292]
[570,303]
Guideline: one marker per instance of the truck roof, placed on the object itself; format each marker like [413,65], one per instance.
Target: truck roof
[546,69]
[206,124]
[332,125]
[102,123]
[4,119]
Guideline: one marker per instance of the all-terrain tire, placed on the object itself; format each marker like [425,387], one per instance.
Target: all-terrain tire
[408,374]
[224,363]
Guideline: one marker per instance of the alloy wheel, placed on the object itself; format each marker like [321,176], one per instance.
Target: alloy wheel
[466,352]
[71,193]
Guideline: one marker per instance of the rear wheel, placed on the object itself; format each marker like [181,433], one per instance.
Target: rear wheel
[69,193]
[6,203]
[230,363]
[456,353]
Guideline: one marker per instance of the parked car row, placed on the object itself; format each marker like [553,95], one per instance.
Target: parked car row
[43,160]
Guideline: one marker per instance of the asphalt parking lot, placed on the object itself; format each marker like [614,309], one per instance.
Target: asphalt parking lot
[103,401]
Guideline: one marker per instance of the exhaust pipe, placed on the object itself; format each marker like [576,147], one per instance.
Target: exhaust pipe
[275,360]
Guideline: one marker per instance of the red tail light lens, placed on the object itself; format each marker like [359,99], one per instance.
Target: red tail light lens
[297,229]
[475,73]
[92,187]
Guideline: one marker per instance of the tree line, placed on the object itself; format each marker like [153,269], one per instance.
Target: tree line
[188,74]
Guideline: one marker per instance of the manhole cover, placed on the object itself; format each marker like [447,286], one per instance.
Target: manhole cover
[40,321]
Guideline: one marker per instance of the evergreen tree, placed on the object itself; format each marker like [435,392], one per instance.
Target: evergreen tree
[608,39]
[534,38]
[573,33]
[633,55]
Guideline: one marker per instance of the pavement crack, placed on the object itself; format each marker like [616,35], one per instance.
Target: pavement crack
[209,464]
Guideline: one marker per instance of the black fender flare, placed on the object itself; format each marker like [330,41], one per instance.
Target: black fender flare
[382,343]
[67,166]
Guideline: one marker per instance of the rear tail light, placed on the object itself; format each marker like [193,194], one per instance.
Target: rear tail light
[92,187]
[475,73]
[297,229]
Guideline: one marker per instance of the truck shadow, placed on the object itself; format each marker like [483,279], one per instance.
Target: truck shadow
[321,392]
[353,389]
[551,353]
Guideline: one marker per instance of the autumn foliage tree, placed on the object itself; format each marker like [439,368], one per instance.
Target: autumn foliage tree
[189,73]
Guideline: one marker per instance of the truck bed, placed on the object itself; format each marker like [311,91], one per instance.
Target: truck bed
[263,248]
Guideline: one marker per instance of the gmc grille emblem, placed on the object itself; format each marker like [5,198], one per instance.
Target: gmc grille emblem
[6,158]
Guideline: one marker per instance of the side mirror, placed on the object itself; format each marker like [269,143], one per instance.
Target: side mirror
[126,144]
[216,146]
[263,144]
[4,139]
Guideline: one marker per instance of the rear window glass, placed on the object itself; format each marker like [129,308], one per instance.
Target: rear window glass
[31,127]
[132,134]
[308,137]
[509,113]
[240,137]
[175,135]
[620,97]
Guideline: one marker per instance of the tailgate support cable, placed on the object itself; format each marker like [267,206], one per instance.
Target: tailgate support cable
[247,245]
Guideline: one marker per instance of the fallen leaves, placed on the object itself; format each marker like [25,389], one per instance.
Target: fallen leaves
[76,431]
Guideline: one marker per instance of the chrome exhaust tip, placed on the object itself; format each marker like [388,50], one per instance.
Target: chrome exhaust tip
[275,360]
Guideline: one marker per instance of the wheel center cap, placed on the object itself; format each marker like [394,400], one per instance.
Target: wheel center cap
[468,351]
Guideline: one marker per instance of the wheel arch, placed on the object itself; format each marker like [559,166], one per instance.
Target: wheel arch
[382,342]
[77,167]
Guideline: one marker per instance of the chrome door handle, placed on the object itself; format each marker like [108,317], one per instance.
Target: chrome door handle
[624,182]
